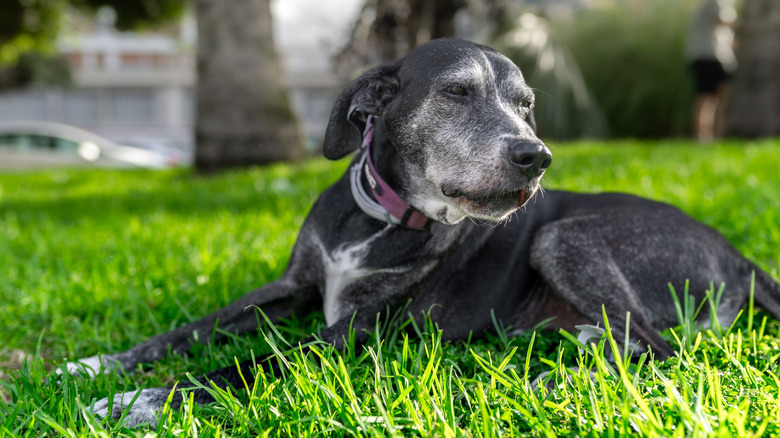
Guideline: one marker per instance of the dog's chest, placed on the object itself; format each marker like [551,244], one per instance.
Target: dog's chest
[346,266]
[343,267]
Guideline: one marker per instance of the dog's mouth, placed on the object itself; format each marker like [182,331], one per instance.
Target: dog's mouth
[491,205]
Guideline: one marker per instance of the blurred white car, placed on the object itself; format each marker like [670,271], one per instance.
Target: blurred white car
[26,144]
[180,151]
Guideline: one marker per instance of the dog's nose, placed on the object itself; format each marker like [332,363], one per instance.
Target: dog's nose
[531,157]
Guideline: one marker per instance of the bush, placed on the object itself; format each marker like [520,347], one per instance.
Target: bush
[632,56]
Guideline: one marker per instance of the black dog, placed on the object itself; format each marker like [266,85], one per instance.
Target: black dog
[448,135]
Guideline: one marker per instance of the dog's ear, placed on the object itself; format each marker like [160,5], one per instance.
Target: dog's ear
[367,95]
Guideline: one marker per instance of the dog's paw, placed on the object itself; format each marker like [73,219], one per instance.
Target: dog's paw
[589,333]
[91,366]
[145,409]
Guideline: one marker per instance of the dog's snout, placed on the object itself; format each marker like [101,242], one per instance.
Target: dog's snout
[531,157]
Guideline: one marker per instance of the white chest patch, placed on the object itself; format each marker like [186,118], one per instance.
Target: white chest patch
[343,266]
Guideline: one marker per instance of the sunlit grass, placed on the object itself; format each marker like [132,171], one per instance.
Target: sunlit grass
[96,261]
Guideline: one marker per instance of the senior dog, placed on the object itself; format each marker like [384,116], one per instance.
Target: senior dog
[434,215]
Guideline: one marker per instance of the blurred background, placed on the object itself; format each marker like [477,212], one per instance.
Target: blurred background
[221,84]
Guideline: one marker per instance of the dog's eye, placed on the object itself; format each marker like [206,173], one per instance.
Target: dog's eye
[456,90]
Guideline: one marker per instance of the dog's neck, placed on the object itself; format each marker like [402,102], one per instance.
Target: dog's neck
[383,203]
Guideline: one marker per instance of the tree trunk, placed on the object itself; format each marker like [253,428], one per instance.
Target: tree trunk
[402,25]
[385,30]
[753,108]
[244,115]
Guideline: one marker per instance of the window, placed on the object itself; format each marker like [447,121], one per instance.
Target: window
[133,105]
[23,105]
[80,106]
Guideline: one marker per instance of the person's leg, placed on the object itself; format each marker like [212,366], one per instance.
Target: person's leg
[721,97]
[710,81]
[705,108]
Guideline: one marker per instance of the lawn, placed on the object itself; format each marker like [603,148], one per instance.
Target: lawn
[98,260]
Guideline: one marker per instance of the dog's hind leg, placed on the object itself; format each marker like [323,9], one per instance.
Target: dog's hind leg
[626,258]
[590,266]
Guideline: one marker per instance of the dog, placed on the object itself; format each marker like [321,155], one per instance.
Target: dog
[441,212]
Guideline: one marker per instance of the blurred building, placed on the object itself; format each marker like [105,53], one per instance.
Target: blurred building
[125,85]
[140,85]
[312,86]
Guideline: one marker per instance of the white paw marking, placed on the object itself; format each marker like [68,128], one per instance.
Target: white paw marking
[589,333]
[145,409]
[91,366]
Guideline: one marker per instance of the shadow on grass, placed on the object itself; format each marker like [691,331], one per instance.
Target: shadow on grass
[69,196]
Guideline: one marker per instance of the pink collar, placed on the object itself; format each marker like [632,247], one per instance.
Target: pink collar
[391,208]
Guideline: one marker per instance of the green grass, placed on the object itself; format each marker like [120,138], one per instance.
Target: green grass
[97,261]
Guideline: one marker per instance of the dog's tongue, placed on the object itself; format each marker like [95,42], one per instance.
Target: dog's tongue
[521,198]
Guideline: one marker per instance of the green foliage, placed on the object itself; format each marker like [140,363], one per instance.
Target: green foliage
[133,14]
[632,56]
[30,28]
[36,68]
[98,260]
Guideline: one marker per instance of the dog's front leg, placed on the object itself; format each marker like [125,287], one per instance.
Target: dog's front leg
[277,300]
[149,402]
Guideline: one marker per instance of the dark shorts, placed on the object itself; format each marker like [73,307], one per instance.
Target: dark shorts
[708,74]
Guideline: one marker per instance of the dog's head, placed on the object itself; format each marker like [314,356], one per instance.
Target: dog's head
[460,117]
